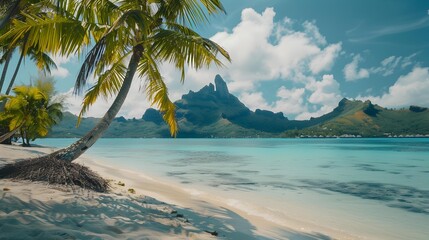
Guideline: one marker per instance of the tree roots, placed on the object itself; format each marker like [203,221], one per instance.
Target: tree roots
[55,172]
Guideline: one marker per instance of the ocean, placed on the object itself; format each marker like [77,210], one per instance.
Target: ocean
[369,188]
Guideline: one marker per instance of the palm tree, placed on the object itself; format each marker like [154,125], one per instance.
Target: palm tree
[6,58]
[32,111]
[50,109]
[22,109]
[14,10]
[43,61]
[131,36]
[10,10]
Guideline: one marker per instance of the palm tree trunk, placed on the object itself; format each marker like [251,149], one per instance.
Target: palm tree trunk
[12,80]
[8,135]
[79,147]
[27,140]
[5,67]
[22,133]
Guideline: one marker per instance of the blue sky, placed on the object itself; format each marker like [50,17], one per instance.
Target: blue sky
[300,57]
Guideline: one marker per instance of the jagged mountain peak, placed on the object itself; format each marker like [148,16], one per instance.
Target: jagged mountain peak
[344,101]
[221,87]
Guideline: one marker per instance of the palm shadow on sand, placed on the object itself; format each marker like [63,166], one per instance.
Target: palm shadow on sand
[118,217]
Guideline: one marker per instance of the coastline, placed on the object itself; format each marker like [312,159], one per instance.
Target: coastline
[157,210]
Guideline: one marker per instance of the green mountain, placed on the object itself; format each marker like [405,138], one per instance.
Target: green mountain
[369,120]
[214,112]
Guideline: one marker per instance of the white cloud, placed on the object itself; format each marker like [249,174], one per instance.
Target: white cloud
[324,97]
[316,99]
[61,61]
[408,90]
[283,27]
[387,66]
[325,59]
[60,72]
[254,101]
[264,50]
[313,31]
[352,71]
[390,64]
[390,61]
[325,92]
[291,101]
[408,60]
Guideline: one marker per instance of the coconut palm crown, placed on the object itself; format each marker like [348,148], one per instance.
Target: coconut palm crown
[32,111]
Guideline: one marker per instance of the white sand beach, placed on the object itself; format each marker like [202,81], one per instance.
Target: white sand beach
[156,210]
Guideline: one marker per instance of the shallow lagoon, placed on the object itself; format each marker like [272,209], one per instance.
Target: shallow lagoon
[373,188]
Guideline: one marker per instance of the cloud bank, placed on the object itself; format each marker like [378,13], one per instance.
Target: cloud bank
[409,89]
[352,72]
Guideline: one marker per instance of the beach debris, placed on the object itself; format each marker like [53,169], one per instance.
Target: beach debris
[214,233]
[179,215]
[121,184]
[6,189]
[54,171]
[131,190]
[173,212]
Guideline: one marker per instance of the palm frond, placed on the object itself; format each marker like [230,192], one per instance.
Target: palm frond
[157,91]
[182,46]
[213,6]
[55,111]
[108,85]
[189,12]
[48,33]
[96,60]
[106,11]
[43,61]
[88,66]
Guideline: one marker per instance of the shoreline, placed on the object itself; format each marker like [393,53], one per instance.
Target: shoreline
[187,214]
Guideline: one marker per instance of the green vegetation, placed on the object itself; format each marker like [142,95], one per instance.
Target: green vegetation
[32,111]
[357,118]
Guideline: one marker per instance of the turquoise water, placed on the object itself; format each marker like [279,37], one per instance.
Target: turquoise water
[374,188]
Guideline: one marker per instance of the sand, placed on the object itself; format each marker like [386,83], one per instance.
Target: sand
[153,209]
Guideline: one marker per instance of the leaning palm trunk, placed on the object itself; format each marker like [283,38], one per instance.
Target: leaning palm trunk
[12,80]
[5,68]
[8,135]
[79,147]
